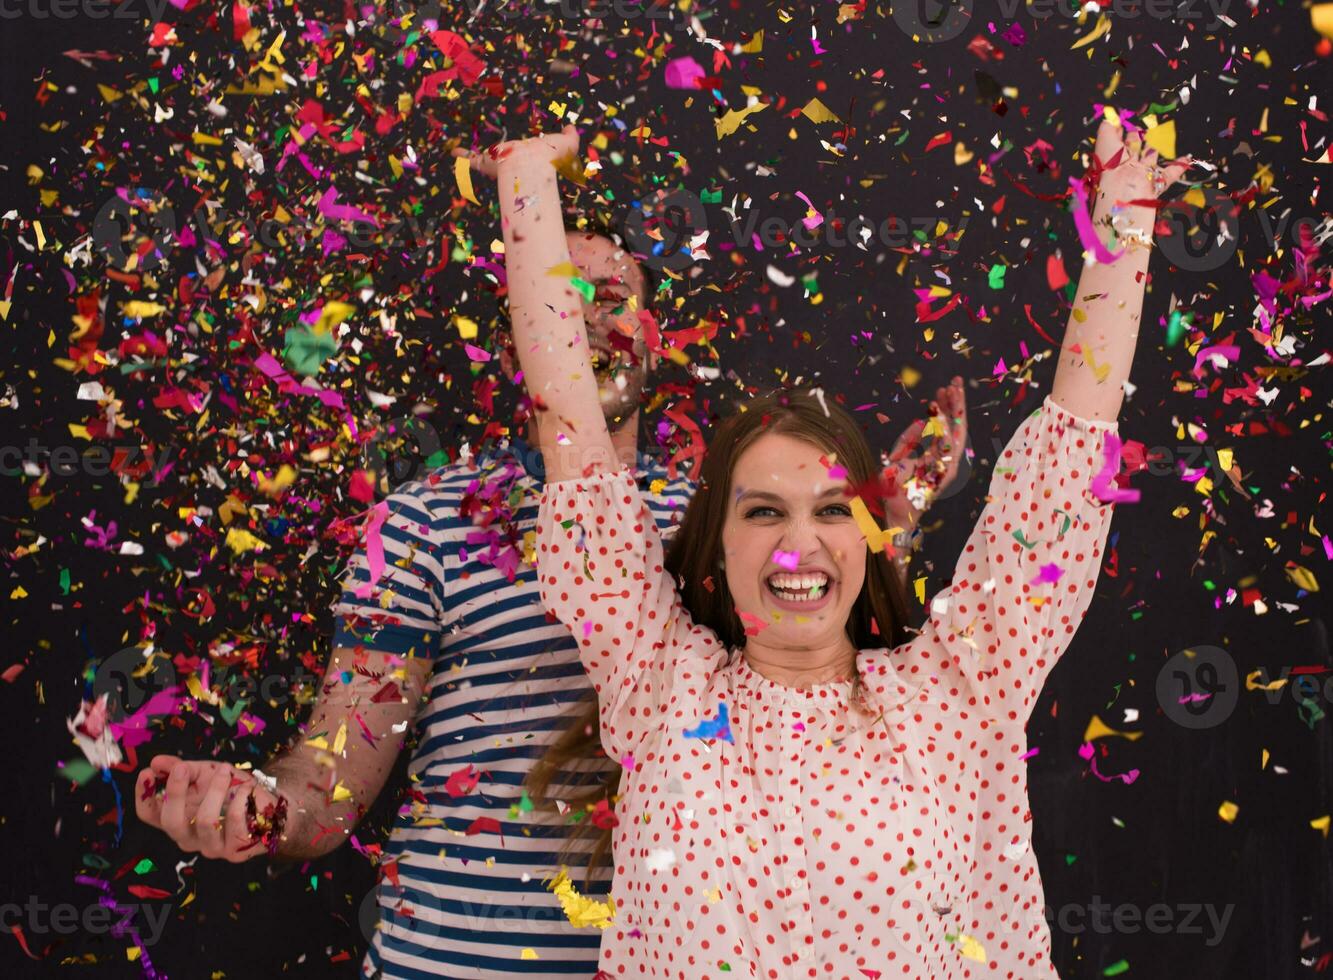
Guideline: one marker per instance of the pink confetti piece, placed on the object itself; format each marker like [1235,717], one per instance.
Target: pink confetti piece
[627,761]
[330,208]
[270,367]
[1088,752]
[1048,573]
[789,560]
[1228,352]
[1086,233]
[684,73]
[587,629]
[813,220]
[1103,484]
[133,731]
[1029,754]
[476,353]
[374,547]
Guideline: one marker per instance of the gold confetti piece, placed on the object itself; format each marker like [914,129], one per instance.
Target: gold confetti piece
[1321,824]
[463,175]
[467,329]
[1099,729]
[1252,682]
[730,122]
[529,954]
[1302,577]
[817,112]
[755,44]
[1227,811]
[961,154]
[1162,138]
[333,314]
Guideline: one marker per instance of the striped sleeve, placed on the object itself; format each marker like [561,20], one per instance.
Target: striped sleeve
[403,610]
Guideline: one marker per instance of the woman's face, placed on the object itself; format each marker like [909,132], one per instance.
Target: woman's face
[794,556]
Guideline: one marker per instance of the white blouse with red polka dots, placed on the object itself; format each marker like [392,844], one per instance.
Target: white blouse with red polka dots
[871,829]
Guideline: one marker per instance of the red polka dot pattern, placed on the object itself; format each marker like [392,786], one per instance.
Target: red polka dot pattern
[834,837]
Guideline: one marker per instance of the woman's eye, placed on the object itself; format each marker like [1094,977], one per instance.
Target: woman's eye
[761,512]
[842,510]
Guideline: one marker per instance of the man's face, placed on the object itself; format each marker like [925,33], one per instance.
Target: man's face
[620,356]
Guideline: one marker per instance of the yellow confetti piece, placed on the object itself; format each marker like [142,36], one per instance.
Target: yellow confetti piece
[467,329]
[1103,25]
[875,536]
[142,308]
[1099,729]
[1227,811]
[1321,19]
[910,376]
[19,593]
[41,235]
[1321,824]
[971,948]
[919,587]
[529,954]
[463,174]
[4,308]
[340,740]
[1252,682]
[564,270]
[730,122]
[333,314]
[581,911]
[961,154]
[817,112]
[1302,577]
[240,541]
[341,794]
[1162,138]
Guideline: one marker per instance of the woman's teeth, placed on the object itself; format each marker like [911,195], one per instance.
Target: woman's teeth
[798,588]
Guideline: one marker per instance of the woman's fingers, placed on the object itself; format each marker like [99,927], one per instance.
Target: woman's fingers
[907,442]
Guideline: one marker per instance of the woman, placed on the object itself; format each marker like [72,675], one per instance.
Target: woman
[798,798]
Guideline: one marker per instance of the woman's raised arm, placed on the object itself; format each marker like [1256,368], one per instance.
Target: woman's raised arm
[1103,330]
[550,336]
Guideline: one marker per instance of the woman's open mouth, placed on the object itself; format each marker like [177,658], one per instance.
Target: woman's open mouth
[807,589]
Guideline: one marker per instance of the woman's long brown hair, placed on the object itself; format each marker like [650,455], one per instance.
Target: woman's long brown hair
[576,761]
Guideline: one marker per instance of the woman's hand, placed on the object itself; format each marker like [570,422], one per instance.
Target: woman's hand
[206,807]
[1129,169]
[552,148]
[926,456]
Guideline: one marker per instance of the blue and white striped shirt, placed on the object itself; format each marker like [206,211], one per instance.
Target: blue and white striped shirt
[505,682]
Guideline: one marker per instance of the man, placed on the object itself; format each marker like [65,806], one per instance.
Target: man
[450,635]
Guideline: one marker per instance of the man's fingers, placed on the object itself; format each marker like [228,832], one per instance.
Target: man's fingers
[235,835]
[147,804]
[175,819]
[208,817]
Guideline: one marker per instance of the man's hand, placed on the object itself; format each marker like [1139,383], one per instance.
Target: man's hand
[552,148]
[925,458]
[205,807]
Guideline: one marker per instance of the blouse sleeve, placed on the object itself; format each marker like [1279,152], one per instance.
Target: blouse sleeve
[1026,576]
[600,569]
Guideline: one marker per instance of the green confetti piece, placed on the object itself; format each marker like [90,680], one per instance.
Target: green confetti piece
[1115,969]
[306,350]
[1070,859]
[94,861]
[724,966]
[230,712]
[144,866]
[153,84]
[1175,329]
[1018,536]
[314,882]
[64,581]
[78,771]
[586,289]
[710,197]
[997,275]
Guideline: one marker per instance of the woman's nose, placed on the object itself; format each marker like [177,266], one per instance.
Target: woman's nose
[801,535]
